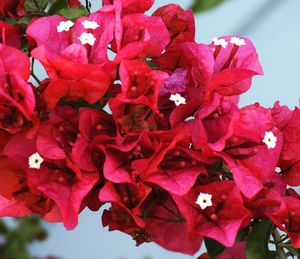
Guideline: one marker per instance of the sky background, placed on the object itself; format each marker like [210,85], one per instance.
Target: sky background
[274,27]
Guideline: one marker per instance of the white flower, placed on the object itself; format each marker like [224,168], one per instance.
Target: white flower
[220,42]
[90,24]
[204,200]
[177,99]
[64,26]
[237,41]
[270,139]
[87,38]
[35,161]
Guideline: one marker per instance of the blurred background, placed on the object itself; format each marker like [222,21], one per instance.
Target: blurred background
[274,27]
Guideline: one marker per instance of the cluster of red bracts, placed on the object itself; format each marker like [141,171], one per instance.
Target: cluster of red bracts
[135,113]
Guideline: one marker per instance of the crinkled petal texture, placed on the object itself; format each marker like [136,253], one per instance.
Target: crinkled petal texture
[131,6]
[57,42]
[140,84]
[72,80]
[6,6]
[10,35]
[234,67]
[244,56]
[11,204]
[142,36]
[65,190]
[174,167]
[114,193]
[287,218]
[16,96]
[248,157]
[136,114]
[281,115]
[13,60]
[18,198]
[217,221]
[236,251]
[58,180]
[290,155]
[174,235]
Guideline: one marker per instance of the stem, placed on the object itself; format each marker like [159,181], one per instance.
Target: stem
[39,7]
[35,78]
[146,211]
[284,239]
[148,115]
[168,220]
[172,212]
[88,5]
[32,72]
[284,245]
[279,249]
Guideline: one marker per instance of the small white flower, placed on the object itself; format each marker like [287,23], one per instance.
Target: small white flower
[220,42]
[204,200]
[35,161]
[278,169]
[87,38]
[90,24]
[237,41]
[270,139]
[64,26]
[177,99]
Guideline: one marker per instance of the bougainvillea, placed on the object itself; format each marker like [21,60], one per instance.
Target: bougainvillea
[135,113]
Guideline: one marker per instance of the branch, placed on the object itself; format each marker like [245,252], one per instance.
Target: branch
[279,249]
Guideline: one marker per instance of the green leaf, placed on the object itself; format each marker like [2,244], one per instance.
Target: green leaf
[240,236]
[31,7]
[213,247]
[11,21]
[24,20]
[58,5]
[18,237]
[73,13]
[204,5]
[257,242]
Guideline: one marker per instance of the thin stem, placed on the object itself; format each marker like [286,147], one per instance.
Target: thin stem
[39,7]
[168,220]
[35,78]
[148,115]
[172,212]
[284,245]
[32,72]
[284,238]
[88,5]
[146,211]
[279,249]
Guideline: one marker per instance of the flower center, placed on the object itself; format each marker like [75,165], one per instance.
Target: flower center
[35,161]
[222,43]
[87,38]
[204,200]
[177,99]
[90,24]
[64,26]
[270,139]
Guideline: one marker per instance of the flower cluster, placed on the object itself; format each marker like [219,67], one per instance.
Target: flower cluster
[136,114]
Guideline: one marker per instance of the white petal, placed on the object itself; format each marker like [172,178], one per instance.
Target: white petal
[237,41]
[90,24]
[35,161]
[204,200]
[270,139]
[177,99]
